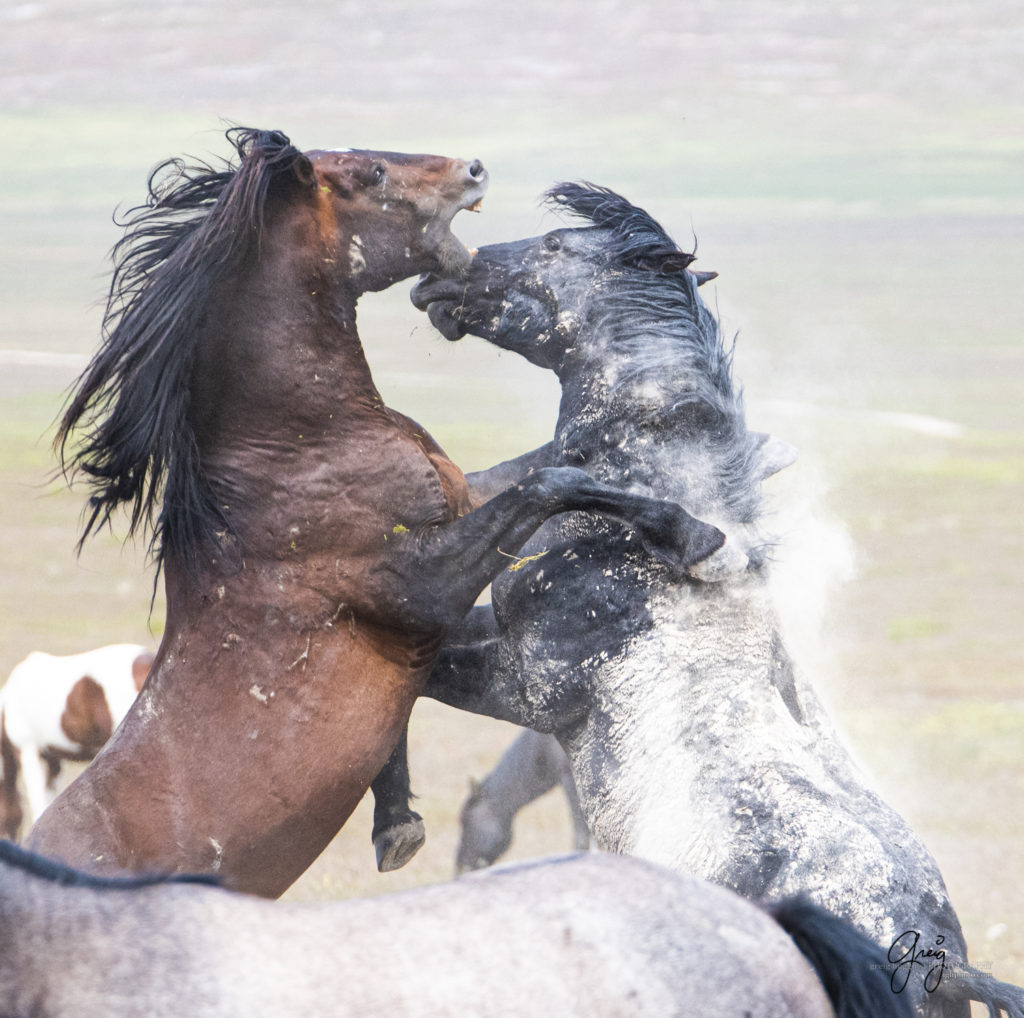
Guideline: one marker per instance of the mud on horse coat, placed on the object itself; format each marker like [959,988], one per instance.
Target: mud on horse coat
[589,936]
[56,708]
[694,740]
[316,545]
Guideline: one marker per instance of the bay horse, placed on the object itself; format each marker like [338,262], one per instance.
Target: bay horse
[315,545]
[694,739]
[56,708]
[592,936]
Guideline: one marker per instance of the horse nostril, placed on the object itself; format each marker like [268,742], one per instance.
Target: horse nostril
[476,169]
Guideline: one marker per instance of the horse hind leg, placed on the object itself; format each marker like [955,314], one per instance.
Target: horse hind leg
[398,831]
[11,813]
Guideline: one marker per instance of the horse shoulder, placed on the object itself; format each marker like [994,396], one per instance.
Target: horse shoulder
[453,481]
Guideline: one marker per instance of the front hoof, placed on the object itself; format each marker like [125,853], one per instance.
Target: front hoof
[726,562]
[397,844]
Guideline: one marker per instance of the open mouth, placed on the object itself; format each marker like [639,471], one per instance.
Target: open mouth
[473,198]
[453,257]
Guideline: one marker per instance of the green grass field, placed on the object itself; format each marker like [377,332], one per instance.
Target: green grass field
[856,181]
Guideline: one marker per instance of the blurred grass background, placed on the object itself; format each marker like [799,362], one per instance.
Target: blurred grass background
[855,172]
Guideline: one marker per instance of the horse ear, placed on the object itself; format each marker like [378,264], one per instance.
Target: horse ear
[675,261]
[774,454]
[703,277]
[666,262]
[304,172]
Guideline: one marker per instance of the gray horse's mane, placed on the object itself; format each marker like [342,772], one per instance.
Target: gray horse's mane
[654,317]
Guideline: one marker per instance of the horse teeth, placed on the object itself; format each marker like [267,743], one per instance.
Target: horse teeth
[476,206]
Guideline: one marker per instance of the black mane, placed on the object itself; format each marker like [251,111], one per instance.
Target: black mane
[58,873]
[635,235]
[665,332]
[131,404]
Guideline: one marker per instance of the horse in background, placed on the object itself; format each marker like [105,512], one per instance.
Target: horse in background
[528,769]
[694,739]
[56,708]
[590,936]
[316,546]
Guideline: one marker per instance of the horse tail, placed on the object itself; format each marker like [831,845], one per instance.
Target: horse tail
[853,969]
[971,984]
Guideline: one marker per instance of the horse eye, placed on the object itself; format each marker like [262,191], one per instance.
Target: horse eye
[552,243]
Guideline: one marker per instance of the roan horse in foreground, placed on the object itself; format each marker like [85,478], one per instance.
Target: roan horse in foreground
[316,545]
[694,740]
[579,937]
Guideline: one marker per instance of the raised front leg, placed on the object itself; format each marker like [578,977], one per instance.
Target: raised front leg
[486,484]
[398,831]
[453,562]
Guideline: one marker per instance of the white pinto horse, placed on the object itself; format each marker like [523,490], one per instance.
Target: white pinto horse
[61,708]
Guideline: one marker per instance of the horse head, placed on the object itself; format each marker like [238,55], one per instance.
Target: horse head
[406,203]
[220,268]
[613,308]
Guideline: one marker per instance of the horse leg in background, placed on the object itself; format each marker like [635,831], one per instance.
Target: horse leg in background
[34,774]
[580,829]
[398,831]
[531,766]
[11,813]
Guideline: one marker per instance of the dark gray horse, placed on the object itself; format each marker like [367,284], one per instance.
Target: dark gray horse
[529,768]
[694,740]
[578,937]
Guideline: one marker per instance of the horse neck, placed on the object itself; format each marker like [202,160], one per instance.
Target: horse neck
[635,433]
[511,785]
[283,353]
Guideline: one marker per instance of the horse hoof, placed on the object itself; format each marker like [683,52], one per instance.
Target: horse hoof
[726,562]
[396,845]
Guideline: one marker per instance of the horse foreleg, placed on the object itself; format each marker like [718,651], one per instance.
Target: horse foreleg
[453,562]
[398,832]
[476,671]
[485,484]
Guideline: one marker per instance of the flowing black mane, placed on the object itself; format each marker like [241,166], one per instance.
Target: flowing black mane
[131,405]
[58,873]
[664,331]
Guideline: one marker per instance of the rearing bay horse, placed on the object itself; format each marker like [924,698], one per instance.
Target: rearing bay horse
[316,545]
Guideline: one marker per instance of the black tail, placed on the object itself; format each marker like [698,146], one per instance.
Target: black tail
[969,984]
[853,969]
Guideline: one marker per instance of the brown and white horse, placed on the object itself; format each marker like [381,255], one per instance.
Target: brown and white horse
[316,545]
[55,708]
